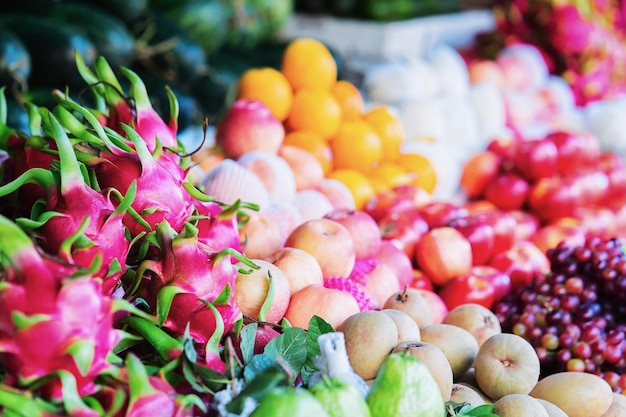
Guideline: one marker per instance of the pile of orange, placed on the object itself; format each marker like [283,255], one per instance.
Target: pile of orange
[327,117]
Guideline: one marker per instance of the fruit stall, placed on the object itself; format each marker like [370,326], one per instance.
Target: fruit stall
[269,208]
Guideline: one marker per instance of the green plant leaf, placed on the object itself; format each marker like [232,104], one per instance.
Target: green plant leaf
[317,326]
[248,336]
[262,384]
[291,347]
[258,364]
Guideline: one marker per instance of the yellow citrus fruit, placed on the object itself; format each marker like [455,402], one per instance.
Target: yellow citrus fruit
[358,184]
[314,143]
[356,145]
[349,98]
[308,63]
[388,127]
[388,175]
[269,86]
[316,111]
[425,174]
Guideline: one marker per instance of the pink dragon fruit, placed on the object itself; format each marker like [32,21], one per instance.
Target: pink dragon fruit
[69,329]
[192,285]
[80,225]
[134,110]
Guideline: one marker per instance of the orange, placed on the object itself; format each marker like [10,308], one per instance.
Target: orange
[356,145]
[316,111]
[388,127]
[358,184]
[314,143]
[349,98]
[425,174]
[269,86]
[308,63]
[388,175]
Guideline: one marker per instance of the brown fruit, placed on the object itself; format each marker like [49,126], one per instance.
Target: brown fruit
[553,410]
[413,303]
[465,394]
[408,330]
[506,364]
[578,394]
[435,361]
[519,405]
[618,406]
[370,337]
[459,345]
[476,319]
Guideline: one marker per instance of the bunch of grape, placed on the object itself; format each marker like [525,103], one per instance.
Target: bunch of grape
[575,316]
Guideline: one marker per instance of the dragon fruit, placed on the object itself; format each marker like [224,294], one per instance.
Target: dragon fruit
[79,224]
[71,318]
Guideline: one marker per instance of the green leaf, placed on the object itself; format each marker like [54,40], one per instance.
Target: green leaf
[258,364]
[248,337]
[261,385]
[291,346]
[481,410]
[317,327]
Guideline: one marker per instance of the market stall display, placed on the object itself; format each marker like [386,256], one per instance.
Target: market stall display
[318,252]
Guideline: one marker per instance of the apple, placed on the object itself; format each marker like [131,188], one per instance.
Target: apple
[252,288]
[507,191]
[329,242]
[593,186]
[284,215]
[504,147]
[299,266]
[249,125]
[259,236]
[334,306]
[396,199]
[405,228]
[363,228]
[475,207]
[500,281]
[566,229]
[376,277]
[421,281]
[554,197]
[575,150]
[443,253]
[536,159]
[440,213]
[337,193]
[480,236]
[467,289]
[273,171]
[522,262]
[311,204]
[504,226]
[479,170]
[396,259]
[596,221]
[307,170]
[527,224]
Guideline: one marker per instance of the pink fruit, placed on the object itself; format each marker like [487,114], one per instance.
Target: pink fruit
[248,126]
[362,227]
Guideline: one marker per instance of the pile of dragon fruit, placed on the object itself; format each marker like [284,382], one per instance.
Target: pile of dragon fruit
[116,273]
[582,41]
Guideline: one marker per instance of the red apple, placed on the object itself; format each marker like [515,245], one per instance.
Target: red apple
[396,199]
[500,281]
[440,213]
[596,221]
[468,289]
[334,306]
[521,263]
[299,266]
[567,229]
[527,224]
[503,225]
[575,150]
[536,159]
[479,170]
[363,228]
[247,126]
[479,234]
[443,253]
[252,289]
[329,242]
[475,207]
[405,228]
[554,197]
[421,281]
[507,191]
[396,259]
